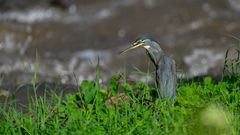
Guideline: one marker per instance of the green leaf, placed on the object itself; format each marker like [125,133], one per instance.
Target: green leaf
[207,80]
[113,86]
[127,88]
[140,85]
[88,89]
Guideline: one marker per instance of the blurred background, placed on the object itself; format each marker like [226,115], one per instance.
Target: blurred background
[69,35]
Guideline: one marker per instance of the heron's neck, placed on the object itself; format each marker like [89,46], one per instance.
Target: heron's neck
[155,53]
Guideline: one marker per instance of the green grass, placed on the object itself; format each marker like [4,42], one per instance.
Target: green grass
[200,108]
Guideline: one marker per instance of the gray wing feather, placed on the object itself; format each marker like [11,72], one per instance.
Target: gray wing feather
[166,77]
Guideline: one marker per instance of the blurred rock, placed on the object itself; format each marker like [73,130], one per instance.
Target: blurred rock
[24,4]
[235,4]
[62,3]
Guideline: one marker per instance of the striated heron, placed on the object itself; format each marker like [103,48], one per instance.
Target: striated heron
[166,79]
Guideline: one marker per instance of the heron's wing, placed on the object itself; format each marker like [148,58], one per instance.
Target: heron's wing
[166,77]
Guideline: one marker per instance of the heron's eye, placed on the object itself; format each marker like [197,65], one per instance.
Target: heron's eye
[143,41]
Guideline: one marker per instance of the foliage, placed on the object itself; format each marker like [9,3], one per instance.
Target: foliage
[205,107]
[201,107]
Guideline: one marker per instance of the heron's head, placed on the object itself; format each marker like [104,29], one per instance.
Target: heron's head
[142,41]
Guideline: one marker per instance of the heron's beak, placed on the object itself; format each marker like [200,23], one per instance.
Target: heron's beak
[134,45]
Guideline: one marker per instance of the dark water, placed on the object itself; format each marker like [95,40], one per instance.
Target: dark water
[69,36]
